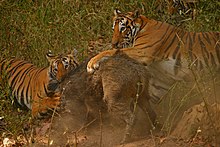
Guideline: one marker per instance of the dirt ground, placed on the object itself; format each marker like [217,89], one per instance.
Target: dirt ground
[194,129]
[185,119]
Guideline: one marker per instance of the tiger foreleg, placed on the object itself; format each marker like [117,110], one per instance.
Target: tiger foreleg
[134,53]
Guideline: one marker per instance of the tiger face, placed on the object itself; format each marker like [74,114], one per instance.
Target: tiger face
[60,65]
[125,27]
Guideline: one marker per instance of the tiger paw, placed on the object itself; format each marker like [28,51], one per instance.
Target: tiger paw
[46,105]
[53,103]
[94,63]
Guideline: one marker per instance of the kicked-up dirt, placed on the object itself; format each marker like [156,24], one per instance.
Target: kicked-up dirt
[187,116]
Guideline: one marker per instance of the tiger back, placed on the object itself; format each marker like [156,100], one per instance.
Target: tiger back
[37,88]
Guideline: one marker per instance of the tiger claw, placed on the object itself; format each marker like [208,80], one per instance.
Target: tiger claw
[94,64]
[91,68]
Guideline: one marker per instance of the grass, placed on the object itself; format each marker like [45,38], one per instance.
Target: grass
[30,28]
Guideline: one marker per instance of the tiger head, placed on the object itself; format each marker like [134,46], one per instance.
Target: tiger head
[125,27]
[60,65]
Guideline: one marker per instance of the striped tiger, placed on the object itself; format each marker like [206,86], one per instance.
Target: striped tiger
[183,7]
[170,52]
[37,88]
[147,40]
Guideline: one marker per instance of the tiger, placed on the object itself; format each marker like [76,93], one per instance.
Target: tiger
[183,7]
[34,88]
[147,40]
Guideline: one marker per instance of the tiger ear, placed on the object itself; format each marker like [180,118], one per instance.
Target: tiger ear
[50,56]
[73,52]
[116,12]
[136,14]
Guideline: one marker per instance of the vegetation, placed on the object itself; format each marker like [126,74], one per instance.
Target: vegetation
[29,28]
